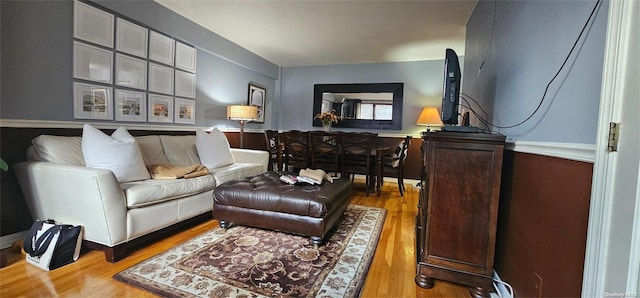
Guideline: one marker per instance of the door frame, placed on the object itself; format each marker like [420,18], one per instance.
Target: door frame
[605,267]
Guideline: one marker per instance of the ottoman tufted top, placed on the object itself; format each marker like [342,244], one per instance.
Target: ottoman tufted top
[266,192]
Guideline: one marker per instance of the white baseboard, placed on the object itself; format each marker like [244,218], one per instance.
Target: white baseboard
[8,240]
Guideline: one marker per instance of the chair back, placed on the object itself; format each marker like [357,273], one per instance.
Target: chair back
[394,164]
[357,155]
[296,149]
[325,150]
[272,143]
[400,153]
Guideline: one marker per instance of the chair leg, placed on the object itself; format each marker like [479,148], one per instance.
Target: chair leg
[401,185]
[367,183]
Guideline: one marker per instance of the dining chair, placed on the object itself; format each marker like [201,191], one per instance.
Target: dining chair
[272,141]
[325,150]
[357,157]
[394,163]
[296,154]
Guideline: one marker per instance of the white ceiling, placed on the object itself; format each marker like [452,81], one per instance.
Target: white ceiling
[325,32]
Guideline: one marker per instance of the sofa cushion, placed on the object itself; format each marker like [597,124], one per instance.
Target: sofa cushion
[151,149]
[153,191]
[180,150]
[235,171]
[118,153]
[59,149]
[213,148]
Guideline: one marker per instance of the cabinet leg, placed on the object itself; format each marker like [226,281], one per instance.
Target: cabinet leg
[479,292]
[424,282]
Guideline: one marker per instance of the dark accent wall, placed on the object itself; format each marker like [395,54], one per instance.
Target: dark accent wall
[542,224]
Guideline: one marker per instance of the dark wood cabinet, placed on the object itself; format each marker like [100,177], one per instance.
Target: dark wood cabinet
[458,209]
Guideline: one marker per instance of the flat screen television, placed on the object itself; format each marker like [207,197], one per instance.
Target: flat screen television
[451,96]
[451,88]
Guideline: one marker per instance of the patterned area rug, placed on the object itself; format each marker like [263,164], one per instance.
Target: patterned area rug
[250,262]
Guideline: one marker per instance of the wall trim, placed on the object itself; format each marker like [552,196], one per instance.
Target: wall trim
[8,240]
[22,123]
[571,151]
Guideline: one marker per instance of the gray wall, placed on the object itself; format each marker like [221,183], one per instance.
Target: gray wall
[37,39]
[528,43]
[422,87]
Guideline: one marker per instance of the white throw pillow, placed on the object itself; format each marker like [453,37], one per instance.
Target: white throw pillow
[118,153]
[213,148]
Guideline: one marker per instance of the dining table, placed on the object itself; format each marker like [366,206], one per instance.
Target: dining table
[378,152]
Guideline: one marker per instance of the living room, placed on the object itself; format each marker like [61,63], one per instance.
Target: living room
[512,50]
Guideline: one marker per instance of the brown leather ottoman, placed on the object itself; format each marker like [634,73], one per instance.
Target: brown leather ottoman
[264,201]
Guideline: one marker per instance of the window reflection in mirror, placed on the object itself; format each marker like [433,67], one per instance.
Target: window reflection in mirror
[363,106]
[368,105]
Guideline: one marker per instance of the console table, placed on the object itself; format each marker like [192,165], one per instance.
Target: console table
[458,209]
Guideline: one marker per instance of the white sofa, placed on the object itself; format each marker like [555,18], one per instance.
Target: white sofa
[57,185]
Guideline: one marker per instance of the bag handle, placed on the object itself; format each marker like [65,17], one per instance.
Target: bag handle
[42,242]
[28,245]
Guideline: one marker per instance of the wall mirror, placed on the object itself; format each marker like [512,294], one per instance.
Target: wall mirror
[374,106]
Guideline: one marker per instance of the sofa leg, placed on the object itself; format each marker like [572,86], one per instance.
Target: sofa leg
[111,254]
[317,241]
[116,253]
[224,224]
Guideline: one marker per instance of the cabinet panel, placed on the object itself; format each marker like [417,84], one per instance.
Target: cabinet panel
[460,190]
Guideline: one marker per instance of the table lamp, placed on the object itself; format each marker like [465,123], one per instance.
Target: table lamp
[429,116]
[242,114]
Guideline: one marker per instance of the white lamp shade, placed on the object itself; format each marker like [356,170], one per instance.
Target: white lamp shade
[242,112]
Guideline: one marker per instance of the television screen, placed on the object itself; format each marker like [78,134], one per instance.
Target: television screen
[451,88]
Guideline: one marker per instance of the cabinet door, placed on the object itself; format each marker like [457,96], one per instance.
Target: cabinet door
[462,205]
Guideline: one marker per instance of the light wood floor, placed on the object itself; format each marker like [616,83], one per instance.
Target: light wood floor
[391,274]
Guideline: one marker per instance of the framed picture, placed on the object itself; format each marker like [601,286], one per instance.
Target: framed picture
[160,108]
[185,57]
[160,79]
[92,102]
[131,38]
[161,48]
[131,106]
[92,24]
[92,63]
[184,111]
[257,97]
[131,72]
[185,84]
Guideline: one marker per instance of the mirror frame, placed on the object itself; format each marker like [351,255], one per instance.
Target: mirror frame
[396,88]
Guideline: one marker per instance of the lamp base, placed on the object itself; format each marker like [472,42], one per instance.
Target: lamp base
[242,134]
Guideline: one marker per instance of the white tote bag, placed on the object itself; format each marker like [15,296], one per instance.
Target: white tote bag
[50,245]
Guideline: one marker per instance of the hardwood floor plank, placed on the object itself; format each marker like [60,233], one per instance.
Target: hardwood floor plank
[391,273]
